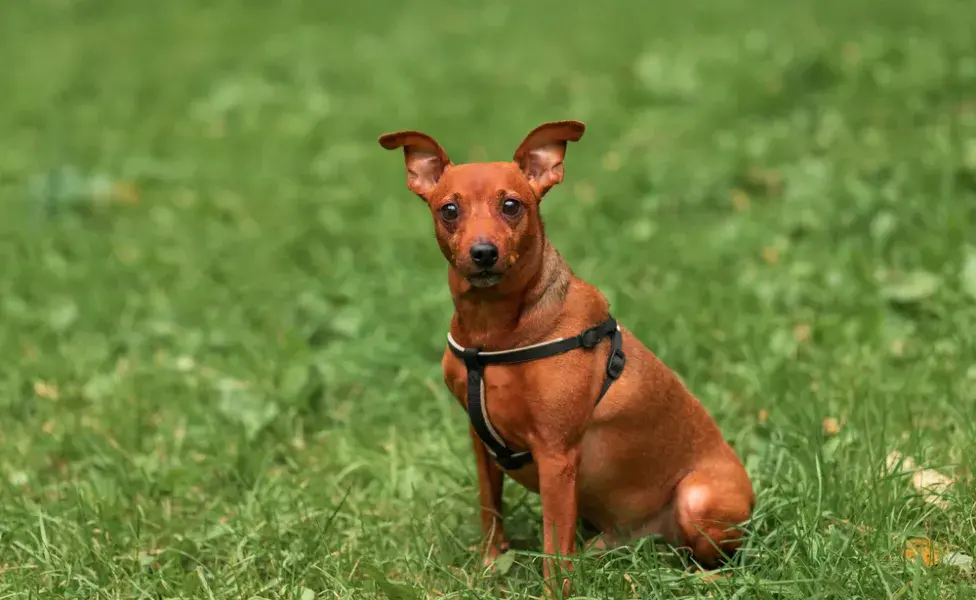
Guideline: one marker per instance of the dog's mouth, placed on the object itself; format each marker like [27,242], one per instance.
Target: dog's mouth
[484,279]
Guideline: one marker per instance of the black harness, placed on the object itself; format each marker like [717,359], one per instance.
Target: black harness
[475,361]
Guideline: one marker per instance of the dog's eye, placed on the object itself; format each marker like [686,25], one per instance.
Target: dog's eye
[511,207]
[449,211]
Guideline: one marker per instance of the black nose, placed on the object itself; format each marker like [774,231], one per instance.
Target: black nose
[484,255]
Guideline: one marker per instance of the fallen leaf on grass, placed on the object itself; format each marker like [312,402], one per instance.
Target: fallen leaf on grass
[714,576]
[921,549]
[45,390]
[930,553]
[959,560]
[932,484]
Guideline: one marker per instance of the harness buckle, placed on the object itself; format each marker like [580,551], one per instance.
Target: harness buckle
[615,364]
[590,338]
[470,357]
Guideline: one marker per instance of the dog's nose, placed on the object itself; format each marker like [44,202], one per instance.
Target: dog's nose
[484,255]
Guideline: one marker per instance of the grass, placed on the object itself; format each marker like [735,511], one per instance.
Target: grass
[222,313]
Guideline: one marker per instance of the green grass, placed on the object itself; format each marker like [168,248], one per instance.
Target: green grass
[222,313]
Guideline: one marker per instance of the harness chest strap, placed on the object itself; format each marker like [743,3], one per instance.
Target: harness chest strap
[475,362]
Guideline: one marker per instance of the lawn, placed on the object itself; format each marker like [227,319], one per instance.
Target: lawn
[222,313]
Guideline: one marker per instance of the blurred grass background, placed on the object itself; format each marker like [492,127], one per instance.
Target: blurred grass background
[221,312]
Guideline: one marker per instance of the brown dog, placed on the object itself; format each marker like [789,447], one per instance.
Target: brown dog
[603,431]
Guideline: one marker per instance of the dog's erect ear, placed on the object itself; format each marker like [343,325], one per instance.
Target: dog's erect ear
[540,156]
[425,159]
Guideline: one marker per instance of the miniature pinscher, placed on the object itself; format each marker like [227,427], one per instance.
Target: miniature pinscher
[560,397]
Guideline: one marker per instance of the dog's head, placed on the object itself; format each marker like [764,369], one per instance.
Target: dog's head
[486,215]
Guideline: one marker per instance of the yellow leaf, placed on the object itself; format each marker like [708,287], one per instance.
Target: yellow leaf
[932,484]
[45,390]
[923,550]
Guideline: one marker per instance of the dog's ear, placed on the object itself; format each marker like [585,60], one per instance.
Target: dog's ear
[541,153]
[426,160]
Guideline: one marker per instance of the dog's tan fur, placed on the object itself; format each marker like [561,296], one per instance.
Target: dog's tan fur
[648,459]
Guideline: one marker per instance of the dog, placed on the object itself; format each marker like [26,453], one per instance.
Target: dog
[560,397]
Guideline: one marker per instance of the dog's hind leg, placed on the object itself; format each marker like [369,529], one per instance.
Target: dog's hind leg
[710,503]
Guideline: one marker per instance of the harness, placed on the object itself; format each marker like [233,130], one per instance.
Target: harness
[475,362]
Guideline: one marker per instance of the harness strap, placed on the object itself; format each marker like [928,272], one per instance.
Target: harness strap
[475,362]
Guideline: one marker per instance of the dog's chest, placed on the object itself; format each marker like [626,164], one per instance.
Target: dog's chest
[505,397]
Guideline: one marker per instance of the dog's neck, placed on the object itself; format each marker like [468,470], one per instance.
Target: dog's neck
[521,313]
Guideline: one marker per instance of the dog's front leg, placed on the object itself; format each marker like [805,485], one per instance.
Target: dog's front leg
[490,480]
[557,486]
